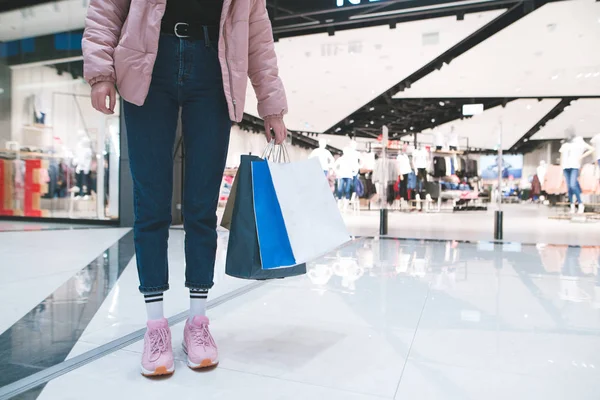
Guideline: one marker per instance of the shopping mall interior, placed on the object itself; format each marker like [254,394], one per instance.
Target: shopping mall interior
[446,131]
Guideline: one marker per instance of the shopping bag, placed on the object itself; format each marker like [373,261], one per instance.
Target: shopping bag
[228,213]
[312,220]
[243,253]
[273,241]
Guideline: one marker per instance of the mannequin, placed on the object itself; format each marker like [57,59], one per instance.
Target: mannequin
[83,161]
[324,156]
[453,139]
[572,153]
[541,170]
[439,140]
[420,163]
[346,166]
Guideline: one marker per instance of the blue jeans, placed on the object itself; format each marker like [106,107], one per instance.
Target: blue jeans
[344,187]
[571,176]
[187,75]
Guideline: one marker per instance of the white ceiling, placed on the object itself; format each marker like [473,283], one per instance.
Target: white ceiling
[44,19]
[583,115]
[554,51]
[482,130]
[327,78]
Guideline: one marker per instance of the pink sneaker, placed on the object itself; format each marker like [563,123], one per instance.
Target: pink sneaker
[199,344]
[157,358]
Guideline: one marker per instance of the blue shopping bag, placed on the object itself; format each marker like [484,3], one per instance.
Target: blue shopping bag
[243,252]
[273,241]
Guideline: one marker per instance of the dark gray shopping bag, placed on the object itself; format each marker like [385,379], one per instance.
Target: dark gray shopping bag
[243,252]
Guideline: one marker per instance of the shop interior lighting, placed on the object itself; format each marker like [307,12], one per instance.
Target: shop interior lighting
[372,109]
[442,103]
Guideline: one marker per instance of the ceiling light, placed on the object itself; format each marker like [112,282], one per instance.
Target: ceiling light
[367,125]
[383,116]
[596,74]
[372,122]
[404,131]
[529,106]
[432,119]
[372,109]
[554,77]
[526,140]
[442,103]
[338,129]
[351,121]
[588,75]
[579,75]
[412,128]
[393,111]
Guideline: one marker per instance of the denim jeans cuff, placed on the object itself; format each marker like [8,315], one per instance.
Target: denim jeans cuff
[154,290]
[191,285]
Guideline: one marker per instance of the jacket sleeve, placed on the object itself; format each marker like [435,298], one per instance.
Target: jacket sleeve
[262,63]
[103,24]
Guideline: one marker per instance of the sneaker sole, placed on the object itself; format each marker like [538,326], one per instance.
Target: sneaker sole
[206,363]
[160,371]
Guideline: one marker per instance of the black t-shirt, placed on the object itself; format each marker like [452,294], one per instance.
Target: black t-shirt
[204,12]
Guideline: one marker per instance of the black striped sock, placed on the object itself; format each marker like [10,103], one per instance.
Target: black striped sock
[198,302]
[154,306]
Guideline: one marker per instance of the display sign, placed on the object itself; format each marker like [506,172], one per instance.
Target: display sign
[472,109]
[512,167]
[342,3]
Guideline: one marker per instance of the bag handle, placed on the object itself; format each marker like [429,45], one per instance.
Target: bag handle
[276,153]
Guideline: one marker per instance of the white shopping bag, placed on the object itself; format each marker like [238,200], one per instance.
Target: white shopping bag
[313,222]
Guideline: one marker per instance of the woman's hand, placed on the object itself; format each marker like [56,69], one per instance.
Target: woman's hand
[100,91]
[276,123]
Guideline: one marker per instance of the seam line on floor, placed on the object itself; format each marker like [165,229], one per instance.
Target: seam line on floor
[45,376]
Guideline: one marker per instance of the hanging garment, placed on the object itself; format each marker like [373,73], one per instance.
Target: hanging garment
[555,182]
[439,167]
[536,186]
[588,180]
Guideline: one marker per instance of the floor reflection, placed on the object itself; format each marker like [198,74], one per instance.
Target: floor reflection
[45,336]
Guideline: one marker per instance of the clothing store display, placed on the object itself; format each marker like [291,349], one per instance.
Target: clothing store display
[198,298]
[391,173]
[358,186]
[345,168]
[125,54]
[453,140]
[571,153]
[403,164]
[420,158]
[541,170]
[157,357]
[472,168]
[154,306]
[572,179]
[203,12]
[198,343]
[189,72]
[439,167]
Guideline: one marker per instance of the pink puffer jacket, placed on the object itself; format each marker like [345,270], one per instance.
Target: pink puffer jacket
[120,43]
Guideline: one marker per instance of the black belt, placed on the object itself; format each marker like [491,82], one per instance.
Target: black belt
[190,31]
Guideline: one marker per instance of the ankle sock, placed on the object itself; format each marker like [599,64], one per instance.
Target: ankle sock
[198,302]
[154,306]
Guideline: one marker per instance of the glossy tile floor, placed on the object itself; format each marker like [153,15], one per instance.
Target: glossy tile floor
[378,319]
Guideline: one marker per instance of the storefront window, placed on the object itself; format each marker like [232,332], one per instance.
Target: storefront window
[59,158]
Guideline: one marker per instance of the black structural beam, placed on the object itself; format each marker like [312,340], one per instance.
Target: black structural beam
[515,13]
[555,112]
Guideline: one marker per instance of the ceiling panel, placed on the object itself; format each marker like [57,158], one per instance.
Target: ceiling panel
[583,115]
[551,52]
[329,77]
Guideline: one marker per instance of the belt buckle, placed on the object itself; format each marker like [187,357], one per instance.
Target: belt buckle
[179,24]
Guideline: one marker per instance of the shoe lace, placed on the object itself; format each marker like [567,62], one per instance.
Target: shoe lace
[202,337]
[159,342]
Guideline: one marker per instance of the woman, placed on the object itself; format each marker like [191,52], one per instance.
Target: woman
[192,56]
